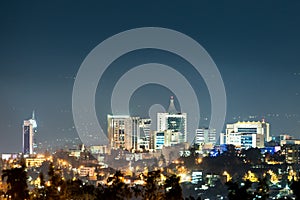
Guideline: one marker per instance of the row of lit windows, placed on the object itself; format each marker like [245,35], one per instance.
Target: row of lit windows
[247,130]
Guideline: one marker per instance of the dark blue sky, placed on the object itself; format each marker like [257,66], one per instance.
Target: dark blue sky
[255,45]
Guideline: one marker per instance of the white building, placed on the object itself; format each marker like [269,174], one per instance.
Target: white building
[173,121]
[123,131]
[205,136]
[29,129]
[197,177]
[131,133]
[145,128]
[86,171]
[246,134]
[239,140]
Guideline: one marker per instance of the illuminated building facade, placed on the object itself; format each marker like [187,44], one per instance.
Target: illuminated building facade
[119,131]
[292,153]
[246,134]
[123,132]
[165,139]
[145,136]
[173,121]
[29,130]
[205,136]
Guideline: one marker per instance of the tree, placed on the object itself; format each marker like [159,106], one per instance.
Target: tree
[173,190]
[117,189]
[42,179]
[73,189]
[231,152]
[262,190]
[88,191]
[253,155]
[16,178]
[295,186]
[40,192]
[52,191]
[153,190]
[76,190]
[235,192]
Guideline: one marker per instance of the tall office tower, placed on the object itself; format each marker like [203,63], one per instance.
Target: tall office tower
[123,132]
[29,129]
[246,134]
[205,136]
[145,127]
[173,121]
[144,140]
[135,133]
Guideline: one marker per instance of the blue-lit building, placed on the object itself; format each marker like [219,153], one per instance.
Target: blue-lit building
[159,140]
[270,150]
[248,140]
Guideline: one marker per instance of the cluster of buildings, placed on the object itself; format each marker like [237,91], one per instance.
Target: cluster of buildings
[136,135]
[136,144]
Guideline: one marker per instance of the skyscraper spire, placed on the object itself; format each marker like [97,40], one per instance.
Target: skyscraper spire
[33,115]
[172,109]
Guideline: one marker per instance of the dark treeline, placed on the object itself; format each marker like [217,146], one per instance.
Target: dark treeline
[60,189]
[116,189]
[53,186]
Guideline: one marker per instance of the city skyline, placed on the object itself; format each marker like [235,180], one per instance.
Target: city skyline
[254,46]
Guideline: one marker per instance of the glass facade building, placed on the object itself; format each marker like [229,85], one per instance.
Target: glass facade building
[246,134]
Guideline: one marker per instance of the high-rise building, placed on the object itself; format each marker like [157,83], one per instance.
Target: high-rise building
[173,121]
[135,133]
[145,127]
[246,134]
[123,132]
[29,129]
[205,136]
[119,131]
[144,140]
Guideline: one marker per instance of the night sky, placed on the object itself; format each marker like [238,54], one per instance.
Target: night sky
[256,46]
